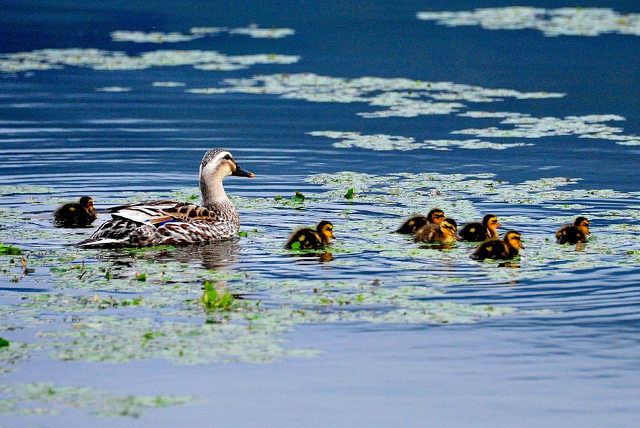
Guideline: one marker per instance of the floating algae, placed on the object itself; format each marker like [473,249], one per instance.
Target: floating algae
[45,398]
[566,21]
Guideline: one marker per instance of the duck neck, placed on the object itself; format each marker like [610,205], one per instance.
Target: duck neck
[213,193]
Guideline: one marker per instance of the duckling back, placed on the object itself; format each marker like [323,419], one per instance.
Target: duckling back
[473,232]
[444,232]
[304,239]
[412,225]
[569,234]
[492,249]
[507,248]
[428,233]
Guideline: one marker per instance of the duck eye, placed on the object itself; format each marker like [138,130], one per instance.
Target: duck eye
[228,157]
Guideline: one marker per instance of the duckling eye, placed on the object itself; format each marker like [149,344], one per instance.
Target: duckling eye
[438,216]
[515,238]
[228,157]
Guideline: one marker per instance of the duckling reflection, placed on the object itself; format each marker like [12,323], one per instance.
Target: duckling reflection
[214,256]
[76,214]
[411,226]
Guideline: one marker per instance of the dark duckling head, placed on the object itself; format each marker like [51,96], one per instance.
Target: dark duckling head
[325,230]
[436,216]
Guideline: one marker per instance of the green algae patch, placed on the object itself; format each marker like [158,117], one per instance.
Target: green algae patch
[45,398]
[9,250]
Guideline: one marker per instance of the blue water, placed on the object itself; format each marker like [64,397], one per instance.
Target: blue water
[577,365]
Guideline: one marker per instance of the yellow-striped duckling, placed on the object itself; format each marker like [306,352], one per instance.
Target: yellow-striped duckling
[308,238]
[76,214]
[507,248]
[411,226]
[444,233]
[481,231]
[574,233]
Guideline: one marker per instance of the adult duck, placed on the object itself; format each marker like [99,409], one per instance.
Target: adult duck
[176,223]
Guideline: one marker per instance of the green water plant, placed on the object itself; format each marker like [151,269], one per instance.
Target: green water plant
[212,299]
[9,250]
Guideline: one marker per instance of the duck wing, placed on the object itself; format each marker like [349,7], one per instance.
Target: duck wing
[162,222]
[412,225]
[158,213]
[473,232]
[569,234]
[428,233]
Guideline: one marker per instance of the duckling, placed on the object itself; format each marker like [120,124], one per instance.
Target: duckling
[444,233]
[575,233]
[80,214]
[312,239]
[411,225]
[177,223]
[507,248]
[481,231]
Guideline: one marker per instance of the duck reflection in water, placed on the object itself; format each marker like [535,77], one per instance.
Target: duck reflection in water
[214,256]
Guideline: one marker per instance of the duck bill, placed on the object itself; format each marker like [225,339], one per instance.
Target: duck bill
[239,172]
[458,237]
[522,246]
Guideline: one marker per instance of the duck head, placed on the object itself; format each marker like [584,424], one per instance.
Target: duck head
[436,216]
[583,224]
[217,164]
[514,239]
[86,202]
[450,228]
[325,230]
[490,221]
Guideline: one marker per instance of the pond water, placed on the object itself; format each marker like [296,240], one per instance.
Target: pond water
[530,114]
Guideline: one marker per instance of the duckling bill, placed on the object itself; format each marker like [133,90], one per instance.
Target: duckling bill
[76,214]
[574,233]
[308,238]
[411,226]
[481,231]
[505,249]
